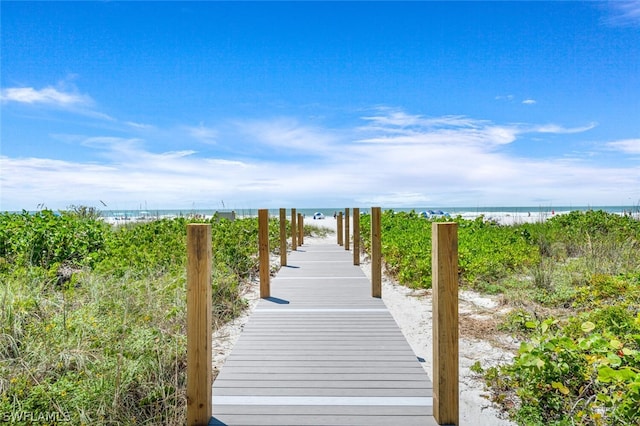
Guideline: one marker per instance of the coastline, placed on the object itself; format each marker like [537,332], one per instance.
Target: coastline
[500,215]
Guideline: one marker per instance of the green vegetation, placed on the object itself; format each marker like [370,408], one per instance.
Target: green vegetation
[92,318]
[574,282]
[483,259]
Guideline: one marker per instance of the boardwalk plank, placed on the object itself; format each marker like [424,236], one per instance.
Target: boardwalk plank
[243,391]
[304,367]
[326,420]
[358,410]
[369,383]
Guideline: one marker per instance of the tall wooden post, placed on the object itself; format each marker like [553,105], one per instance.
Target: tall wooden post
[376,254]
[300,229]
[444,257]
[283,237]
[356,235]
[263,251]
[339,228]
[346,229]
[294,230]
[199,378]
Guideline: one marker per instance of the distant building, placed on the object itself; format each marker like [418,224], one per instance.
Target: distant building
[225,215]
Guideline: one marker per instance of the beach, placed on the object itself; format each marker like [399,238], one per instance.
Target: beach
[411,310]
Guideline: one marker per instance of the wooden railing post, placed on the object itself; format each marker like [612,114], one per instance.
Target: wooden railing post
[444,266]
[294,231]
[300,229]
[283,237]
[356,236]
[376,253]
[263,250]
[339,228]
[199,377]
[346,229]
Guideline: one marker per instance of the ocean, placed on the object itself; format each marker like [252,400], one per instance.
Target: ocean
[329,211]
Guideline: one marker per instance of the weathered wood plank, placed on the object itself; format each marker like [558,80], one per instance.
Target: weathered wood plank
[199,343]
[402,363]
[310,370]
[231,391]
[357,410]
[327,377]
[337,384]
[386,356]
[329,420]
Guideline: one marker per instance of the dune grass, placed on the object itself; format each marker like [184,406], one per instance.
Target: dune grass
[92,323]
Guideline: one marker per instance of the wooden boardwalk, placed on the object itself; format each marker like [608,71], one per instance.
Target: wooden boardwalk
[322,351]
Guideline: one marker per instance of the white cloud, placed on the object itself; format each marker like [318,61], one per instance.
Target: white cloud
[203,134]
[394,159]
[390,117]
[529,101]
[623,13]
[554,128]
[140,126]
[49,95]
[286,135]
[628,146]
[67,100]
[457,130]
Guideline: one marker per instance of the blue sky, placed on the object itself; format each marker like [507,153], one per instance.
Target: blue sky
[329,104]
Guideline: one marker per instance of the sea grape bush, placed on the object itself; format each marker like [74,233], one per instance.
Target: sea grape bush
[581,369]
[235,242]
[44,238]
[144,249]
[487,252]
[581,373]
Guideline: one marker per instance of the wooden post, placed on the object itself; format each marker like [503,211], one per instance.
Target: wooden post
[356,235]
[376,254]
[283,237]
[346,229]
[339,228]
[300,229]
[444,266]
[199,378]
[294,231]
[263,250]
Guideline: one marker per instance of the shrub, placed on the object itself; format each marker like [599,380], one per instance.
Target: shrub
[108,346]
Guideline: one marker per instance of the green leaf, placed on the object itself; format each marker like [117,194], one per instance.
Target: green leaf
[614,360]
[525,347]
[605,374]
[615,343]
[536,362]
[561,387]
[588,326]
[544,326]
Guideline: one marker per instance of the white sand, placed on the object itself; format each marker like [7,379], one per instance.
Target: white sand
[412,311]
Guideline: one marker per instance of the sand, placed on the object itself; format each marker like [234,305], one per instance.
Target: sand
[412,311]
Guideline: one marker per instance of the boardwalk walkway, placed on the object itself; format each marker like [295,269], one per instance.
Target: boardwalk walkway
[322,351]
